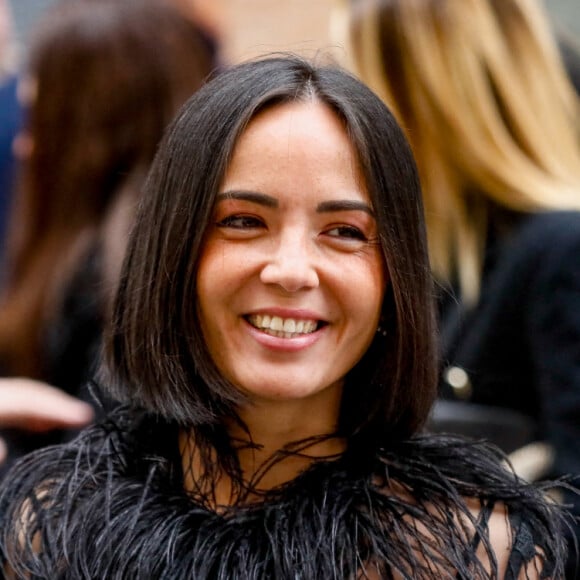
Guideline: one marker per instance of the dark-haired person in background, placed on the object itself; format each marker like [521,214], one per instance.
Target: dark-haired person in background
[101,82]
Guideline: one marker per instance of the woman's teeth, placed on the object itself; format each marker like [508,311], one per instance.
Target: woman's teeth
[282,327]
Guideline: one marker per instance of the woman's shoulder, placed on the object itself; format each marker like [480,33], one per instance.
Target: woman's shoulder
[53,494]
[450,464]
[511,541]
[74,463]
[462,492]
[117,443]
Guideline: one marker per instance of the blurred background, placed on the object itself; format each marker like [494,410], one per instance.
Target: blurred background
[253,27]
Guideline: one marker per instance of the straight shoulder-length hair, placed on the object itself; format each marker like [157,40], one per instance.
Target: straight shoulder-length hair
[155,352]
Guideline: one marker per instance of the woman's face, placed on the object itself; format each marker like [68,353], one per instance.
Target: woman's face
[291,278]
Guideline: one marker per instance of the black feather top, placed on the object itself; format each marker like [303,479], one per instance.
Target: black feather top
[111,505]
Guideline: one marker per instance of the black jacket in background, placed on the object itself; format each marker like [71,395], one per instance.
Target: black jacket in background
[520,346]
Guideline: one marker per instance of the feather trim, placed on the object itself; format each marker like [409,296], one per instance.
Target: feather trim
[111,505]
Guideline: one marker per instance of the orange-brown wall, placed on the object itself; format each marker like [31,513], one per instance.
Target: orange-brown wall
[255,27]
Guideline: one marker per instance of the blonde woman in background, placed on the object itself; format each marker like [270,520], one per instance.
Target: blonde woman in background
[494,123]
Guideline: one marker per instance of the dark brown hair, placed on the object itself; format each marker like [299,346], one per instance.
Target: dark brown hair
[156,353]
[110,75]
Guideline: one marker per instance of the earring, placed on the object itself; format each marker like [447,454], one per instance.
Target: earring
[381,330]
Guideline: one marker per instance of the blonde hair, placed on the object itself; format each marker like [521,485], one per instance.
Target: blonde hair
[480,88]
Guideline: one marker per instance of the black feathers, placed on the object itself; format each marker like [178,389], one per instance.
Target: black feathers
[111,505]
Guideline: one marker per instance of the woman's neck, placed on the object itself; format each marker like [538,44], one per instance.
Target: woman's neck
[274,443]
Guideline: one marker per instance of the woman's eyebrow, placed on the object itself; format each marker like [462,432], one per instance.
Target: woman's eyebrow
[344,205]
[269,201]
[252,196]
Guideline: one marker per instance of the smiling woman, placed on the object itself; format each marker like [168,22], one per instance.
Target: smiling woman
[294,218]
[275,391]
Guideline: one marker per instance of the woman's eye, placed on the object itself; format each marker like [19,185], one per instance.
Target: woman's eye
[347,232]
[240,222]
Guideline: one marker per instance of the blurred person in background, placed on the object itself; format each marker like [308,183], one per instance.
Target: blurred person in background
[209,17]
[52,407]
[102,81]
[494,121]
[10,118]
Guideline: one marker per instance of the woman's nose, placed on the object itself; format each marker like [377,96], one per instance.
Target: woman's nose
[291,265]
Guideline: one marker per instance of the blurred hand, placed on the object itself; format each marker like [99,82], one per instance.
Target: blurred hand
[36,406]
